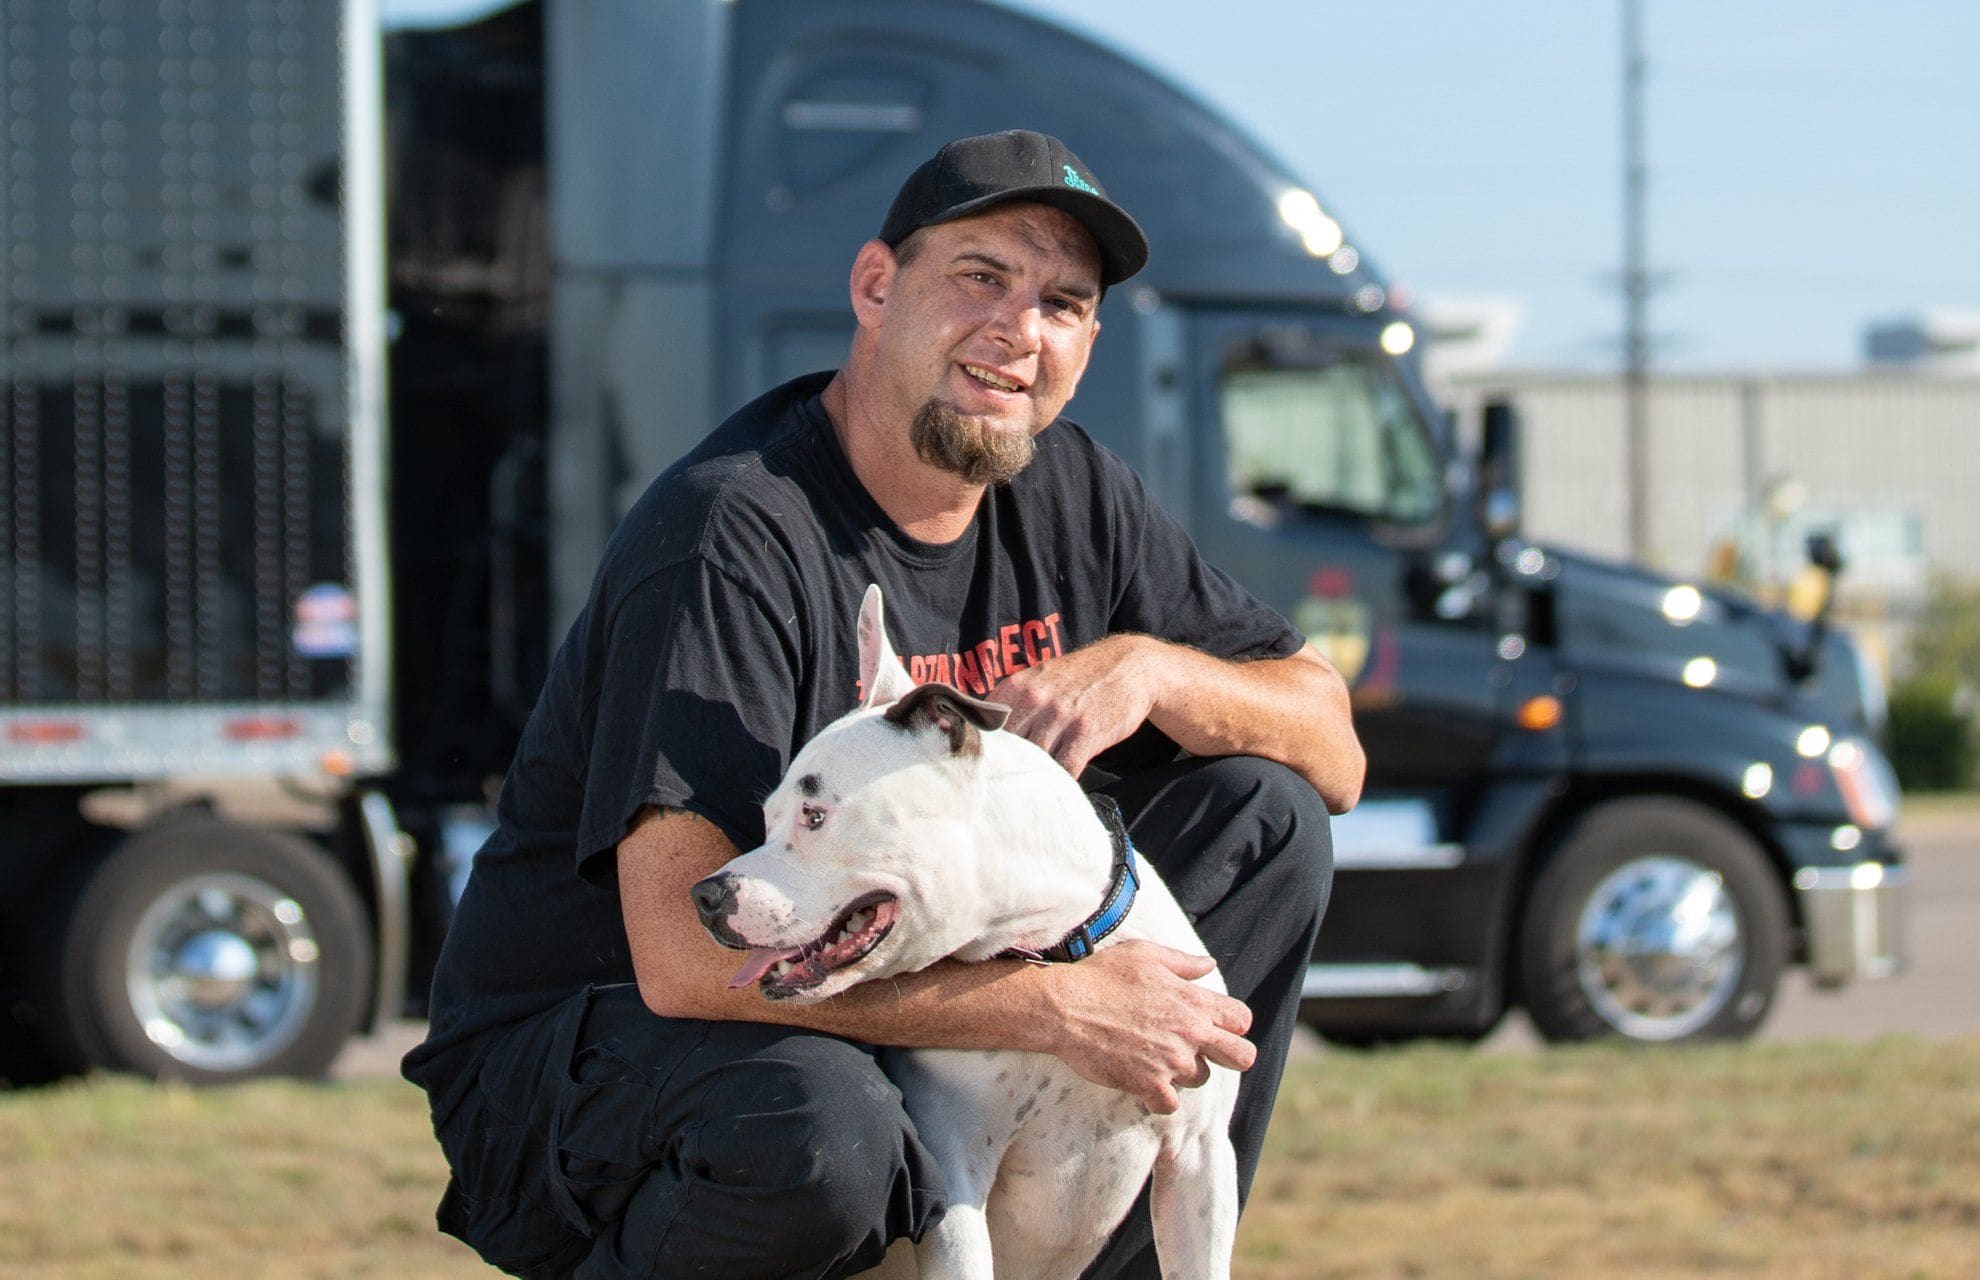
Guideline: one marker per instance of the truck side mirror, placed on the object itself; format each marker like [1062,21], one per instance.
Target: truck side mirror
[1812,596]
[1823,552]
[1498,471]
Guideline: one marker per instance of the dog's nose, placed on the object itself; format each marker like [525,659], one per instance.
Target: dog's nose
[714,898]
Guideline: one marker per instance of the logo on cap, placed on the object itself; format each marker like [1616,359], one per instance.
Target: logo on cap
[1078,183]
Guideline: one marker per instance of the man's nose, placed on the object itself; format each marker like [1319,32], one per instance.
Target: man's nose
[1019,323]
[714,898]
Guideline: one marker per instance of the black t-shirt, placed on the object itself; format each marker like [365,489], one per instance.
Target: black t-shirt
[721,634]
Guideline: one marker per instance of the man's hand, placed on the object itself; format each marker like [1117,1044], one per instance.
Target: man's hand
[1132,1018]
[1080,703]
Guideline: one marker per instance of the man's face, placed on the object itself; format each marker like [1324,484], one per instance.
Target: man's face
[984,333]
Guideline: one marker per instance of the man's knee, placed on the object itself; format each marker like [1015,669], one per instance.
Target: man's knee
[1285,805]
[1296,837]
[811,1111]
[1234,825]
[798,1159]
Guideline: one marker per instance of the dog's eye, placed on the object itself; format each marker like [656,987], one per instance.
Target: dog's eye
[812,816]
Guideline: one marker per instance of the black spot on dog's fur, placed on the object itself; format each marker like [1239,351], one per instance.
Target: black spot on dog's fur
[810,784]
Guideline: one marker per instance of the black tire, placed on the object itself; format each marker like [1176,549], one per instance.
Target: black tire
[1704,972]
[25,1061]
[211,952]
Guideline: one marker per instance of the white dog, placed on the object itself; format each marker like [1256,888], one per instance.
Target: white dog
[915,829]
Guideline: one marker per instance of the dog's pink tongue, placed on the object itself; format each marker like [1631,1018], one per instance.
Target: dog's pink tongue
[759,963]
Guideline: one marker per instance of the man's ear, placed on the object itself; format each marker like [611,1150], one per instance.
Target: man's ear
[956,714]
[872,281]
[882,678]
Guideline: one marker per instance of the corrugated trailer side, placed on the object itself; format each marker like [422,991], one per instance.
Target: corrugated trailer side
[194,658]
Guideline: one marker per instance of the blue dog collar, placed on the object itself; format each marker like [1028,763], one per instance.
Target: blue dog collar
[1079,944]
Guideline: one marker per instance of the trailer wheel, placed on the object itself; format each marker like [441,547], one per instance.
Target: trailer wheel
[207,951]
[1658,920]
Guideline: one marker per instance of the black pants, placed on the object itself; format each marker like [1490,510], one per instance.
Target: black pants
[604,1141]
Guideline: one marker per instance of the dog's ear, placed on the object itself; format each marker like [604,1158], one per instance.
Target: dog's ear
[956,714]
[882,678]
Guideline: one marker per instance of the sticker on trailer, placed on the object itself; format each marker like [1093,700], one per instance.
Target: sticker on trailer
[326,622]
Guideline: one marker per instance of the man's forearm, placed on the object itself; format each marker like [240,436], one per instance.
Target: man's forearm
[1293,710]
[683,973]
[998,1004]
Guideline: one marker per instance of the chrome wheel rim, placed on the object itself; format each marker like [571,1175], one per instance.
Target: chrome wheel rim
[1659,948]
[223,971]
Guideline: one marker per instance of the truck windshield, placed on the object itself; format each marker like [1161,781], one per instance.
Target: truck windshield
[1337,437]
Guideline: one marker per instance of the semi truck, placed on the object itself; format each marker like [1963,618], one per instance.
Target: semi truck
[331,361]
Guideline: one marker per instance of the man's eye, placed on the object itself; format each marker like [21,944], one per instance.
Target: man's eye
[812,816]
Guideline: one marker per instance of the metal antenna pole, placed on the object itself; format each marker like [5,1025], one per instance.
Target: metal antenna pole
[1636,287]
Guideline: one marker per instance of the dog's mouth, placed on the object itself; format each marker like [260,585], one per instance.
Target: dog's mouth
[788,971]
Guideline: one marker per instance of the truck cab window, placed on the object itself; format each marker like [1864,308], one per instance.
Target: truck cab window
[1338,437]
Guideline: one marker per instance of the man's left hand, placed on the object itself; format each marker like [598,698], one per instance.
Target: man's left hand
[1080,703]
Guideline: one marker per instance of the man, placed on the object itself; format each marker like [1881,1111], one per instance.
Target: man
[607,1104]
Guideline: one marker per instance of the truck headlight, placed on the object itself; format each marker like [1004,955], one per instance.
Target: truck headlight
[1869,788]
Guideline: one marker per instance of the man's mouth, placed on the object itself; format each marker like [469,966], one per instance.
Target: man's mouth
[787,971]
[991,378]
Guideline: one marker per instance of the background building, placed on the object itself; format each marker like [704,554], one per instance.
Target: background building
[1744,466]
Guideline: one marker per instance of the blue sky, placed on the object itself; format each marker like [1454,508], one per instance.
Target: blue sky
[1814,164]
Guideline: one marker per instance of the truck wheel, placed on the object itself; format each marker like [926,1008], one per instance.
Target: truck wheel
[208,952]
[1658,920]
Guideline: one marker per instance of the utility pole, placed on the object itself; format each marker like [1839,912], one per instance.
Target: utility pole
[1636,286]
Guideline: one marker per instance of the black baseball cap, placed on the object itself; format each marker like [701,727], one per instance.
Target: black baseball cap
[971,174]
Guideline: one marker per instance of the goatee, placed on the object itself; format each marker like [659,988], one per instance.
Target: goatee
[965,447]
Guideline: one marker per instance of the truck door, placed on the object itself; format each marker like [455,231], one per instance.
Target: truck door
[1319,483]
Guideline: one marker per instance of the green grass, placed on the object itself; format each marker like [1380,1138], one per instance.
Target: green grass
[1800,1160]
[117,1178]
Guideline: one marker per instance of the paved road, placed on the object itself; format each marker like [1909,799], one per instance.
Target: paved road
[1939,996]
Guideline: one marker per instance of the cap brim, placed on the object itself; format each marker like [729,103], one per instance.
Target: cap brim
[1123,247]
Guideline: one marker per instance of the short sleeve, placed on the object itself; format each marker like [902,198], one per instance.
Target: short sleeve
[696,699]
[1170,591]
